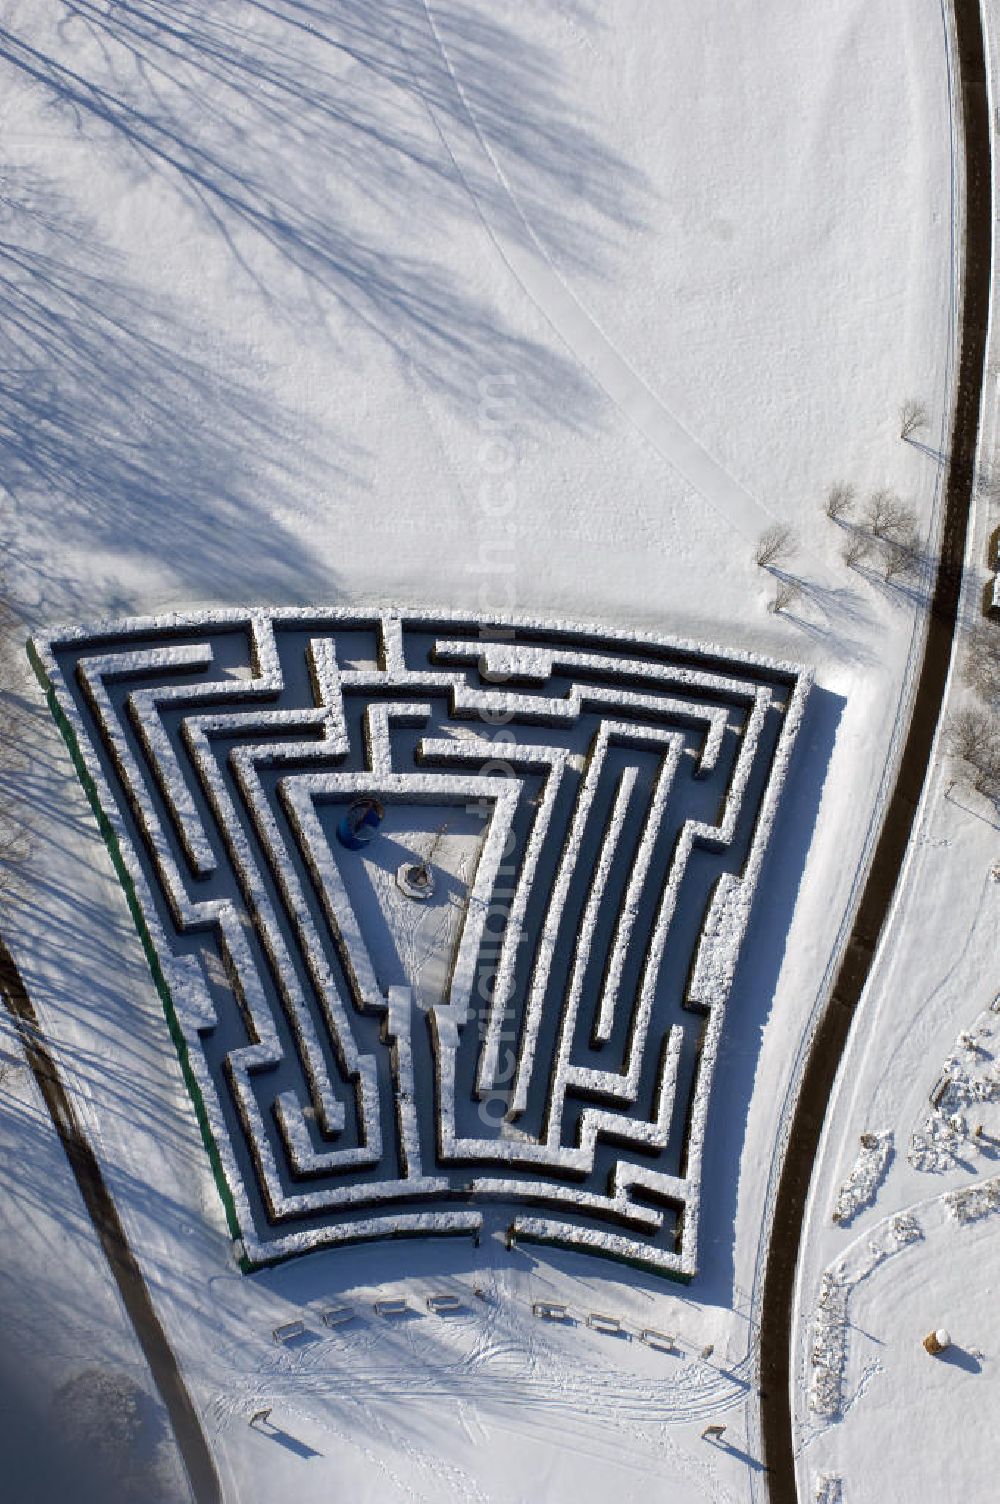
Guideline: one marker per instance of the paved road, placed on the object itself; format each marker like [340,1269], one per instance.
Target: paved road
[101,1209]
[831,1037]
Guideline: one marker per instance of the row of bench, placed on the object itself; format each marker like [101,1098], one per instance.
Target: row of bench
[447,1304]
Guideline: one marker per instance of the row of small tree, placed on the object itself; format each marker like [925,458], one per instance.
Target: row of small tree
[973,733]
[885,528]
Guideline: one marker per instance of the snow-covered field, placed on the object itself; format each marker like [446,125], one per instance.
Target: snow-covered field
[922,1075]
[893,1408]
[546,309]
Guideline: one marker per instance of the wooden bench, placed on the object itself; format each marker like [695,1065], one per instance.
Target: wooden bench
[288,1331]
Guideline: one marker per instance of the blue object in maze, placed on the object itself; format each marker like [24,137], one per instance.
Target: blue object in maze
[360,823]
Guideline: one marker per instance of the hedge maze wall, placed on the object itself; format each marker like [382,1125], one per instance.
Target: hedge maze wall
[541,1034]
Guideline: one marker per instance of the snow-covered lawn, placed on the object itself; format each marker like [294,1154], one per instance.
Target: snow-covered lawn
[921,1066]
[62,1321]
[540,309]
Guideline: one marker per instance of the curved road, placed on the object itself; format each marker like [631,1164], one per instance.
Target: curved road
[831,1037]
[101,1209]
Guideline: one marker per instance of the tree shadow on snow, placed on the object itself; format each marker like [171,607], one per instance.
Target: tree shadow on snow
[338,154]
[118,433]
[319,143]
[102,1439]
[961,1357]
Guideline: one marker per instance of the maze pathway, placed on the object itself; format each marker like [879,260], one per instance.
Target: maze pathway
[540,1034]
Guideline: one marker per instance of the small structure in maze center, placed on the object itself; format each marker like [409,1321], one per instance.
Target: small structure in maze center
[416,879]
[357,827]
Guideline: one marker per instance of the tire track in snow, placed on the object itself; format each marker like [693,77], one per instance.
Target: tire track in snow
[504,1376]
[532,267]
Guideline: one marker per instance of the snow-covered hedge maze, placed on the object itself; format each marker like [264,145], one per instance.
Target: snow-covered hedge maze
[541,1033]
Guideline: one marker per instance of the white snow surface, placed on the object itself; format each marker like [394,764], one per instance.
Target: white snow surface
[921,1062]
[546,309]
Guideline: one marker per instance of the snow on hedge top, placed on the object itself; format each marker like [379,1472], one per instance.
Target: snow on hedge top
[582,959]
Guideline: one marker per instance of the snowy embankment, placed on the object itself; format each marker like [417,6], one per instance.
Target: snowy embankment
[922,1063]
[867,1173]
[829,1340]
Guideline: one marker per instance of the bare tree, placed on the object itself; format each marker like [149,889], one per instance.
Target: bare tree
[981,670]
[14,852]
[887,516]
[10,1068]
[106,1427]
[856,549]
[14,734]
[986,781]
[10,630]
[839,501]
[913,415]
[973,737]
[786,593]
[775,543]
[900,556]
[968,732]
[14,729]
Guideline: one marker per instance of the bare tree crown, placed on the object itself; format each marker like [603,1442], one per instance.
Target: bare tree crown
[973,736]
[887,516]
[856,549]
[900,555]
[839,501]
[786,592]
[981,670]
[913,416]
[777,542]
